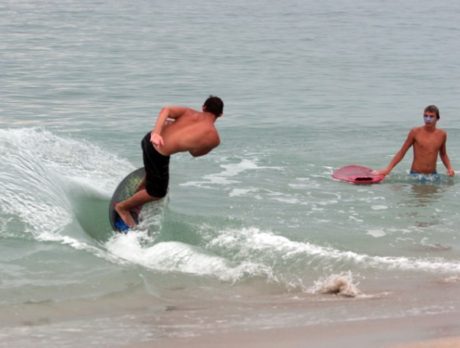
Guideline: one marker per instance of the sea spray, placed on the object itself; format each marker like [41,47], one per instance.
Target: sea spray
[172,256]
[340,284]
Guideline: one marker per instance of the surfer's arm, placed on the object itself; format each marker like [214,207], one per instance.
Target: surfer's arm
[399,155]
[166,113]
[445,159]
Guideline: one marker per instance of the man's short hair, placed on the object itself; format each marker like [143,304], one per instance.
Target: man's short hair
[214,105]
[433,108]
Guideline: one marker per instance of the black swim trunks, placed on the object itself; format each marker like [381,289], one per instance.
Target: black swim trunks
[156,169]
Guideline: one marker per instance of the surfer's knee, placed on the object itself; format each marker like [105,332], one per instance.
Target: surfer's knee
[119,207]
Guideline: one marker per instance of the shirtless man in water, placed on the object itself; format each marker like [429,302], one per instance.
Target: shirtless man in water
[177,129]
[427,141]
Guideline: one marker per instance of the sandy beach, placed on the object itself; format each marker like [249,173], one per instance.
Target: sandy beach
[422,332]
[451,342]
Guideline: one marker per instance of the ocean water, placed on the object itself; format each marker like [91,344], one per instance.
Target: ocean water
[256,235]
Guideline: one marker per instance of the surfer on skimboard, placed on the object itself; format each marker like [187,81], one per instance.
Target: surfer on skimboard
[177,129]
[428,141]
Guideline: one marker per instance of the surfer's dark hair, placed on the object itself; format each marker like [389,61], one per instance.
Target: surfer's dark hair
[214,105]
[433,108]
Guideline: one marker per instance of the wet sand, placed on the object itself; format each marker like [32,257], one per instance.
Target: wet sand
[440,330]
[452,342]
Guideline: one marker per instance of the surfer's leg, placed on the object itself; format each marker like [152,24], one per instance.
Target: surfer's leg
[138,199]
[153,186]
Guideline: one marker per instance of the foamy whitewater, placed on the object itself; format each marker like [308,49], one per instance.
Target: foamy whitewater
[256,235]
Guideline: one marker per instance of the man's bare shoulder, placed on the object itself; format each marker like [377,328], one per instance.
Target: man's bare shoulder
[414,132]
[441,133]
[216,138]
[176,111]
[211,138]
[192,113]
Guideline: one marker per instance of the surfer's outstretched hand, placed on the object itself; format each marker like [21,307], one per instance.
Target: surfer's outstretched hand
[381,172]
[156,139]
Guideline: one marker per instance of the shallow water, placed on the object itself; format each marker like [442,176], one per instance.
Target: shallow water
[256,229]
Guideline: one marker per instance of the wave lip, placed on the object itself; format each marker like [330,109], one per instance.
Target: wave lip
[269,248]
[175,256]
[235,255]
[41,174]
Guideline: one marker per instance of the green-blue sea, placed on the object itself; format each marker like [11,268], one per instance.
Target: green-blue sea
[256,235]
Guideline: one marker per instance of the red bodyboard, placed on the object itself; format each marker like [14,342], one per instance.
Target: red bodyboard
[357,175]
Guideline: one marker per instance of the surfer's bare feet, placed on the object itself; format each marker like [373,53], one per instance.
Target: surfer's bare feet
[125,215]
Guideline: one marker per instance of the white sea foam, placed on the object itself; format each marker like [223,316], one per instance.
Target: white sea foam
[74,243]
[287,200]
[180,257]
[376,233]
[258,246]
[237,192]
[64,157]
[379,207]
[305,183]
[231,170]
[30,191]
[36,171]
[354,218]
